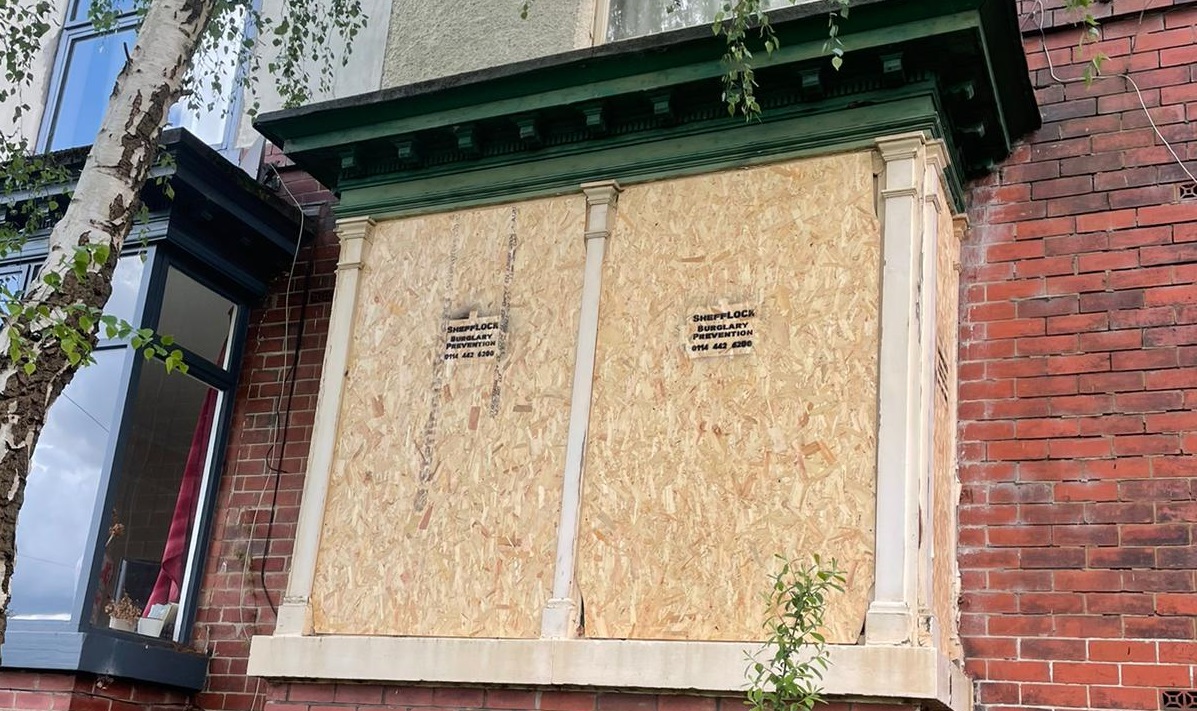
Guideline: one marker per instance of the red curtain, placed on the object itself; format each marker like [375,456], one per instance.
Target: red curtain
[169,585]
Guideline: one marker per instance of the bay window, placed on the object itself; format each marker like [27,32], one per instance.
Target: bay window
[108,535]
[111,538]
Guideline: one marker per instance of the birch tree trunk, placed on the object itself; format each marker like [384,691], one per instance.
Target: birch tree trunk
[101,212]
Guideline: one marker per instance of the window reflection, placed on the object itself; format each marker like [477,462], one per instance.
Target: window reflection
[12,281]
[160,472]
[64,476]
[126,286]
[198,318]
[88,77]
[82,7]
[206,112]
[634,18]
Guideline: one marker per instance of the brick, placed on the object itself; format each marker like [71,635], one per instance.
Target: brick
[458,697]
[1080,204]
[1157,581]
[1159,627]
[1119,697]
[626,702]
[310,692]
[1049,189]
[1106,261]
[1138,318]
[1085,673]
[1110,220]
[567,701]
[1138,197]
[1160,490]
[1117,558]
[1075,283]
[1139,237]
[1079,323]
[1111,300]
[358,694]
[1080,404]
[997,693]
[1148,401]
[1052,649]
[1086,534]
[1079,447]
[510,699]
[1081,363]
[1182,652]
[667,702]
[1019,670]
[1118,603]
[1130,512]
[1053,557]
[1016,327]
[1177,558]
[1047,345]
[1043,387]
[1016,449]
[1047,306]
[1170,336]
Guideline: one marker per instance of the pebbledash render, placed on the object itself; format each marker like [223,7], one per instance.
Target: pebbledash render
[568,356]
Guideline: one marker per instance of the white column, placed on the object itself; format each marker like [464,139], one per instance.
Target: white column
[560,613]
[891,615]
[295,613]
[933,202]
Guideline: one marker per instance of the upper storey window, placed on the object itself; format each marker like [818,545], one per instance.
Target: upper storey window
[635,18]
[86,68]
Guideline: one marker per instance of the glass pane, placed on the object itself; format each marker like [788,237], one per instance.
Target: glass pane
[213,74]
[89,75]
[120,7]
[160,472]
[198,318]
[64,476]
[12,281]
[126,285]
[633,18]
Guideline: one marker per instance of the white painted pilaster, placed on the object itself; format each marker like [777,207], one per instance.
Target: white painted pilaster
[295,614]
[932,203]
[891,615]
[560,613]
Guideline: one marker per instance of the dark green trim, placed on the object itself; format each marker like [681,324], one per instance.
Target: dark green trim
[650,108]
[641,158]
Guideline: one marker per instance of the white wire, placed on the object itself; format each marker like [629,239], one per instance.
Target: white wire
[1123,75]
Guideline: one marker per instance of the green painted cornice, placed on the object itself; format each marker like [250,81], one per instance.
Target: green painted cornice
[651,108]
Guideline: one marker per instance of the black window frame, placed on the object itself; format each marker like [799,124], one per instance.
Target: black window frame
[78,642]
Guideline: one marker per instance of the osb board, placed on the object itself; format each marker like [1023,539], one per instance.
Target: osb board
[946,486]
[444,498]
[700,470]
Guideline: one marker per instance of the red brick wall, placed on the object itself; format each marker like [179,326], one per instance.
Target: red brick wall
[22,691]
[1079,383]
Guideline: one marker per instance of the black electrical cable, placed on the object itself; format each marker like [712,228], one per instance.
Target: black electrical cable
[286,425]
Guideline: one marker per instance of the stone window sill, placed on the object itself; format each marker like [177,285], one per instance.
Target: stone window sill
[877,672]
